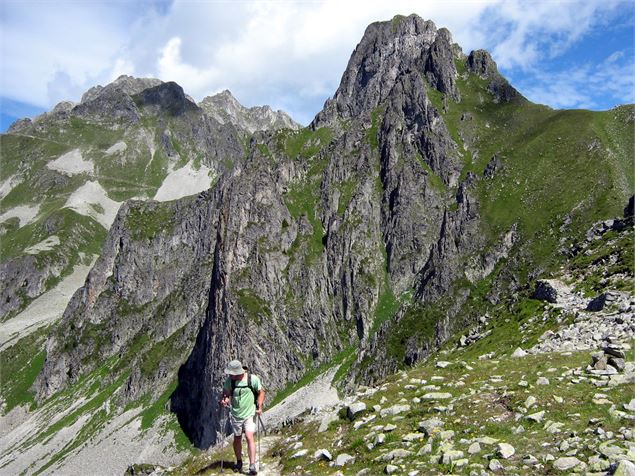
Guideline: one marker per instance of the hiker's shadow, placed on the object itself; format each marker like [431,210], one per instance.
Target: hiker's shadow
[216,466]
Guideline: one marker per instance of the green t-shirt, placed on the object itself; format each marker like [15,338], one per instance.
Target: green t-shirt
[242,402]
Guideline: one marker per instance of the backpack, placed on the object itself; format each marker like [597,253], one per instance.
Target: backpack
[249,385]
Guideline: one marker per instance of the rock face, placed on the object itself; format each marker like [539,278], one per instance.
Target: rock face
[311,243]
[292,239]
[481,63]
[226,109]
[385,56]
[113,314]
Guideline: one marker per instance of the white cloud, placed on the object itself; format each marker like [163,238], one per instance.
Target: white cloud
[576,87]
[289,55]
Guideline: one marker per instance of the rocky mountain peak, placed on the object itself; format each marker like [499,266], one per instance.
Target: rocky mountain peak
[168,97]
[225,108]
[124,83]
[388,51]
[480,62]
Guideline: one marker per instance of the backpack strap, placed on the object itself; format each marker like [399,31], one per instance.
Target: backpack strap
[251,387]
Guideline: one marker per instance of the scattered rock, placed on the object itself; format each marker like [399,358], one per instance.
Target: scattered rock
[390,469]
[413,437]
[394,410]
[519,353]
[549,290]
[487,440]
[355,409]
[300,453]
[624,468]
[429,425]
[398,453]
[436,396]
[474,448]
[343,459]
[505,450]
[530,460]
[542,381]
[495,465]
[450,456]
[536,417]
[566,463]
[323,454]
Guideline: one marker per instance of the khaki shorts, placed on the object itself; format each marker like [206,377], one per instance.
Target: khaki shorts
[239,426]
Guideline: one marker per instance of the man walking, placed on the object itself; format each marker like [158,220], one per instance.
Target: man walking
[244,392]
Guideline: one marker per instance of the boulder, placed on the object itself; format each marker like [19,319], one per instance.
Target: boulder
[343,459]
[549,290]
[323,454]
[505,450]
[354,409]
[624,468]
[566,463]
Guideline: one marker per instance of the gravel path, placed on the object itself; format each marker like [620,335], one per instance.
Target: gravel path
[314,396]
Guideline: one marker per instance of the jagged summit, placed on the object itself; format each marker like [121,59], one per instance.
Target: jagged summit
[224,107]
[392,50]
[127,84]
[389,50]
[168,97]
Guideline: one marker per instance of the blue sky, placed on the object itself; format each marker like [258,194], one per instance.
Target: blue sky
[291,55]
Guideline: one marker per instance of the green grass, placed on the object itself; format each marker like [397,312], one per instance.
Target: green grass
[167,349]
[387,305]
[306,143]
[483,408]
[20,364]
[347,190]
[434,180]
[146,220]
[376,116]
[255,308]
[418,323]
[303,200]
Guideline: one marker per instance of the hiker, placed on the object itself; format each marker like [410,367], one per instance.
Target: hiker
[245,394]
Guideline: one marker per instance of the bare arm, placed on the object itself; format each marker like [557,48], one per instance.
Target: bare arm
[260,401]
[224,401]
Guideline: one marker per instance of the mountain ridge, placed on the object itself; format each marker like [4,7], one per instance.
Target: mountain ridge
[368,238]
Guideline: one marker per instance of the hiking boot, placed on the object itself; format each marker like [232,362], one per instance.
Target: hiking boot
[238,466]
[252,469]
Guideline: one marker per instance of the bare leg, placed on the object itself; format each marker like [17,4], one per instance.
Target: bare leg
[251,446]
[238,447]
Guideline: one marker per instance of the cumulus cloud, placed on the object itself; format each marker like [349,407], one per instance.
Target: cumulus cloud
[289,55]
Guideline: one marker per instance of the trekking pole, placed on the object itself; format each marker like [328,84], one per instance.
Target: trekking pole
[260,425]
[259,455]
[222,445]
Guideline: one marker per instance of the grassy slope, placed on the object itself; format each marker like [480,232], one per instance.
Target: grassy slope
[487,395]
[557,167]
[135,173]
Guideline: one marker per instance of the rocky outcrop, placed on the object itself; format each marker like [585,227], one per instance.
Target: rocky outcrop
[387,51]
[167,98]
[481,63]
[124,83]
[144,294]
[224,108]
